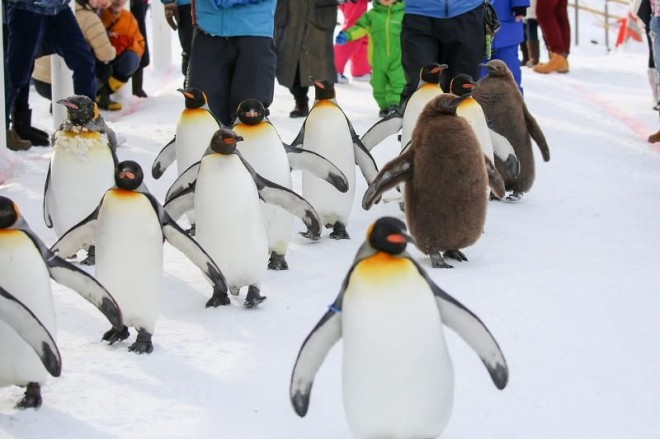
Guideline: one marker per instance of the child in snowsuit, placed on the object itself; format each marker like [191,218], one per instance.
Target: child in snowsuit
[382,24]
[507,40]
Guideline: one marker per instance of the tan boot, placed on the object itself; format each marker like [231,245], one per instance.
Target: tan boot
[655,137]
[16,143]
[558,63]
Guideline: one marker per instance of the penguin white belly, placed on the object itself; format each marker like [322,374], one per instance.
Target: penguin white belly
[327,133]
[129,256]
[23,273]
[414,107]
[193,135]
[263,150]
[471,111]
[397,375]
[81,170]
[230,225]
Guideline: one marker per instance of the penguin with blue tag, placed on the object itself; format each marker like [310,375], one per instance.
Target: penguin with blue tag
[328,132]
[264,150]
[225,192]
[129,227]
[81,167]
[27,314]
[397,374]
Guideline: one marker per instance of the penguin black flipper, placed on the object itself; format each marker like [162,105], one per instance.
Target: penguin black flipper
[300,137]
[19,317]
[182,241]
[472,330]
[164,159]
[495,180]
[536,134]
[363,158]
[70,276]
[504,152]
[394,172]
[181,203]
[46,208]
[385,127]
[313,351]
[79,236]
[184,181]
[273,193]
[317,165]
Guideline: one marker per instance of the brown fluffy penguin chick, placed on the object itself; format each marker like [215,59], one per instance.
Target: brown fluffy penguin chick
[446,180]
[504,106]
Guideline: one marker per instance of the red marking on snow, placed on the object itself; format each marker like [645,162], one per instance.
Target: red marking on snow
[639,128]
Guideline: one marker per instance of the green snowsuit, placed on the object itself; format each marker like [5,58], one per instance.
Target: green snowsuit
[383,26]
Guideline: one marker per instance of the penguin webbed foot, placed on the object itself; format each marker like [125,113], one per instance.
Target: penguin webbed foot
[253,297]
[115,335]
[32,397]
[143,344]
[339,231]
[515,196]
[191,230]
[456,255]
[310,235]
[437,261]
[277,262]
[91,257]
[219,297]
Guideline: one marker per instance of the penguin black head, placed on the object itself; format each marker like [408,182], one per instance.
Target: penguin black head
[462,84]
[8,212]
[497,67]
[388,234]
[128,175]
[446,103]
[195,98]
[251,112]
[323,89]
[431,73]
[224,141]
[80,110]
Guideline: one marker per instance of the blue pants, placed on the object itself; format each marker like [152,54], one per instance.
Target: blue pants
[508,54]
[28,31]
[125,65]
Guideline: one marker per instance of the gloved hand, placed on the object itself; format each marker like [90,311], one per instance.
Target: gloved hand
[172,14]
[519,12]
[342,38]
[121,42]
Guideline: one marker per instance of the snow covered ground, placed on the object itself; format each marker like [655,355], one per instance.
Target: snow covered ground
[564,279]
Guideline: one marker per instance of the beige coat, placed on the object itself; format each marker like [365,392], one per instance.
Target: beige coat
[95,34]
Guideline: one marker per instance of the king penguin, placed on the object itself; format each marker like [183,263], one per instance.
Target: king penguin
[128,228]
[447,180]
[263,149]
[194,130]
[328,132]
[397,374]
[430,77]
[225,192]
[504,105]
[81,167]
[27,313]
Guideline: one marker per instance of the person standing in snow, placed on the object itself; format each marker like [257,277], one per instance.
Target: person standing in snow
[354,51]
[382,24]
[233,56]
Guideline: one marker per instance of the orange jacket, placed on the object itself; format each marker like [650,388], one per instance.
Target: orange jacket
[124,23]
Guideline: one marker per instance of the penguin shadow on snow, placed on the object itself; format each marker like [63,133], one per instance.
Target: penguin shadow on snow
[62,423]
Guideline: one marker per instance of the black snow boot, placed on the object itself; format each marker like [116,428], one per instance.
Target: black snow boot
[22,123]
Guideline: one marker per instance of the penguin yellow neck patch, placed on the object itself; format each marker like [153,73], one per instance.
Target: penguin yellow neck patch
[384,266]
[124,193]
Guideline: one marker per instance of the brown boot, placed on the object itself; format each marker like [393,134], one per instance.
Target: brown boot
[16,143]
[558,63]
[655,137]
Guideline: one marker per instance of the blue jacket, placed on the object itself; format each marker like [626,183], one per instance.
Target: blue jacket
[178,2]
[441,8]
[41,7]
[234,18]
[512,31]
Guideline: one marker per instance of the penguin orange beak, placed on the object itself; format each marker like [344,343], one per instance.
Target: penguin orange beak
[127,174]
[185,93]
[439,68]
[316,82]
[252,113]
[400,238]
[68,104]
